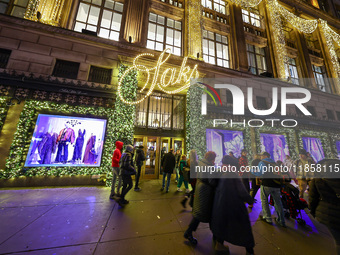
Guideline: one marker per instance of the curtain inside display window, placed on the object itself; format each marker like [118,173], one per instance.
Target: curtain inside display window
[275,145]
[314,147]
[224,141]
[338,148]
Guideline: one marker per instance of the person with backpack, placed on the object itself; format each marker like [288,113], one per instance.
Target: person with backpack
[116,170]
[324,200]
[140,158]
[127,169]
[271,185]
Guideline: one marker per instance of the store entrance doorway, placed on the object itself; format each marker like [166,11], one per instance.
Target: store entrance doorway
[154,149]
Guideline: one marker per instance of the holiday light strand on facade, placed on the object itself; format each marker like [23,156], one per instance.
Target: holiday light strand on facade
[50,11]
[244,3]
[303,25]
[278,39]
[159,80]
[331,37]
[195,24]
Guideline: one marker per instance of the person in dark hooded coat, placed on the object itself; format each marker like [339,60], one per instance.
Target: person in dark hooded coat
[230,220]
[324,200]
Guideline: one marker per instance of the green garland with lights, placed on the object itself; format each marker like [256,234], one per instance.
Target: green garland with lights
[124,114]
[196,125]
[22,137]
[333,139]
[3,111]
[120,126]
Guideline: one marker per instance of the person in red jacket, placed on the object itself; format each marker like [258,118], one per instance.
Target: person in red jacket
[116,169]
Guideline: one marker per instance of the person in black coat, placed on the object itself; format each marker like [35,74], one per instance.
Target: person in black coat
[230,220]
[204,196]
[255,183]
[324,200]
[140,158]
[168,163]
[127,169]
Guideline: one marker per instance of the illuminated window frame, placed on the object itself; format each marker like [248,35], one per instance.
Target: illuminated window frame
[320,76]
[216,5]
[163,33]
[104,19]
[291,71]
[176,3]
[252,17]
[211,54]
[259,55]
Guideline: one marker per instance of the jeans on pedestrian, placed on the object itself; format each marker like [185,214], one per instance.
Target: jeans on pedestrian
[254,188]
[192,226]
[116,175]
[139,169]
[276,195]
[181,180]
[127,185]
[176,170]
[168,175]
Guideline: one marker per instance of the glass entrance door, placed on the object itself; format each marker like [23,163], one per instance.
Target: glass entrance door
[155,148]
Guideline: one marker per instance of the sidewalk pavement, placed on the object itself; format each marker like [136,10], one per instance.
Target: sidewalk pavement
[82,220]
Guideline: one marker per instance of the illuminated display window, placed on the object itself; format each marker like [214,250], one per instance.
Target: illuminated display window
[256,59]
[291,71]
[164,33]
[251,17]
[103,17]
[215,49]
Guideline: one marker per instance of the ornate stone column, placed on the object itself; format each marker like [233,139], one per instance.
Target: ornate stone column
[193,16]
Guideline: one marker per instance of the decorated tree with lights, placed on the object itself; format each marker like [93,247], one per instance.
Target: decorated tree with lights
[124,114]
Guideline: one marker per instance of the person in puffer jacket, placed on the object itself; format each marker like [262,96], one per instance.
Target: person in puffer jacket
[116,170]
[324,200]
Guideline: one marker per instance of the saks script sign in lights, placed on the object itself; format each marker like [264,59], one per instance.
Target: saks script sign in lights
[170,76]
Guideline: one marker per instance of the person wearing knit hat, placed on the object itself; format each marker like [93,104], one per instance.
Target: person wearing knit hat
[127,169]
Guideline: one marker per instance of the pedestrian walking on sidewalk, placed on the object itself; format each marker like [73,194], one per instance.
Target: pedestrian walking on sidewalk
[230,220]
[204,197]
[140,158]
[324,201]
[183,174]
[255,182]
[192,162]
[127,169]
[116,172]
[243,162]
[178,159]
[168,163]
[271,185]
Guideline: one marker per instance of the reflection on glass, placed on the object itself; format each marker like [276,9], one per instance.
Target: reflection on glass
[150,156]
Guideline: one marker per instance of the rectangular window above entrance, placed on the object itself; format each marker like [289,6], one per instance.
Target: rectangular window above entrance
[161,111]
